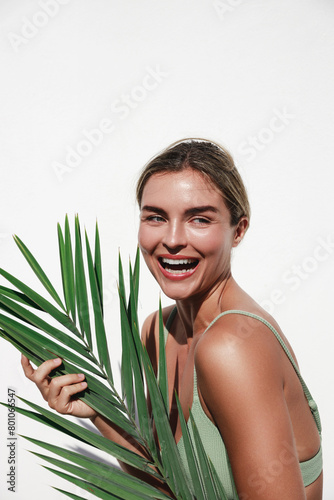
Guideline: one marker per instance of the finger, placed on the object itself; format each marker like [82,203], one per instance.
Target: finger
[64,403]
[58,384]
[43,371]
[27,368]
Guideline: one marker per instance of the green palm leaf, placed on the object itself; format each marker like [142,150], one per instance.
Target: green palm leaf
[126,368]
[19,297]
[98,265]
[194,468]
[86,436]
[210,477]
[136,278]
[176,477]
[101,338]
[40,340]
[81,287]
[31,318]
[115,484]
[44,304]
[85,485]
[131,335]
[23,349]
[100,469]
[162,369]
[38,271]
[70,495]
[67,267]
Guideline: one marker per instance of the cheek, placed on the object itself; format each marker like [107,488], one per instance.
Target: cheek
[205,238]
[147,239]
[213,244]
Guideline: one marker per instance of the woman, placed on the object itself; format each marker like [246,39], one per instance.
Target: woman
[226,357]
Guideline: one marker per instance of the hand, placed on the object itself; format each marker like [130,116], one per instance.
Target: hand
[59,392]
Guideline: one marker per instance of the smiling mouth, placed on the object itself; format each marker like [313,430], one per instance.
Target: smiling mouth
[178,266]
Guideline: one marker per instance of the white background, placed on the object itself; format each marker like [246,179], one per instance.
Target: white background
[256,76]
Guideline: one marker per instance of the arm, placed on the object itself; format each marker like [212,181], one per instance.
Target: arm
[61,394]
[242,386]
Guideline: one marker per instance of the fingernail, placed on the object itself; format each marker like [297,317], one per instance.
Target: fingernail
[81,376]
[56,360]
[83,384]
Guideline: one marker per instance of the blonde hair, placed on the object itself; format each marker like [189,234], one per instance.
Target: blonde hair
[210,159]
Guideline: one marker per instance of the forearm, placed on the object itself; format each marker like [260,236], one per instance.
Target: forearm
[118,436]
[111,431]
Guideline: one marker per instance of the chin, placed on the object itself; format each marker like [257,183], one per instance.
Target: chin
[176,293]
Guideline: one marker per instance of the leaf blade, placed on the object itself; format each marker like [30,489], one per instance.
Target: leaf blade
[81,286]
[194,469]
[162,369]
[78,432]
[32,319]
[204,463]
[23,332]
[18,297]
[69,270]
[44,304]
[132,492]
[126,368]
[38,271]
[177,478]
[96,466]
[98,265]
[100,333]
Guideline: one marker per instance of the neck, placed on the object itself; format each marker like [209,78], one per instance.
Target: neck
[197,313]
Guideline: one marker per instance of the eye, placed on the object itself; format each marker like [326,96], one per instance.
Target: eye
[155,218]
[200,220]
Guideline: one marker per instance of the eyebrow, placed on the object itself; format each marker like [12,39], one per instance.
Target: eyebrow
[189,211]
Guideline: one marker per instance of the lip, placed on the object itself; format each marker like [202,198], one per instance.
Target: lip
[179,276]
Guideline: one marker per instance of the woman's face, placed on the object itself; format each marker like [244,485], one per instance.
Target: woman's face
[185,234]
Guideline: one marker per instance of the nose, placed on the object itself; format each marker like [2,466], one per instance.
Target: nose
[175,237]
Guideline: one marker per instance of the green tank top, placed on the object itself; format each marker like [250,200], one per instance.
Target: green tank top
[212,440]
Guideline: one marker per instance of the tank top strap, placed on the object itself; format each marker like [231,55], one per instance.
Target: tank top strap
[312,404]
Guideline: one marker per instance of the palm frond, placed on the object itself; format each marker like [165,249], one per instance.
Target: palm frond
[162,368]
[67,268]
[78,333]
[104,470]
[38,271]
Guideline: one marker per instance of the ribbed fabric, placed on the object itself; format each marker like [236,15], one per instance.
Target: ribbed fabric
[213,445]
[311,469]
[212,440]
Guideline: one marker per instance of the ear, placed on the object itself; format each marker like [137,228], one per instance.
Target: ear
[240,231]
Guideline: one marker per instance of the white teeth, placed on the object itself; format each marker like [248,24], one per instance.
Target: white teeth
[179,271]
[177,261]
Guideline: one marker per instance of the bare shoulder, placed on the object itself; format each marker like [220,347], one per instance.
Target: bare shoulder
[240,375]
[151,323]
[239,344]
